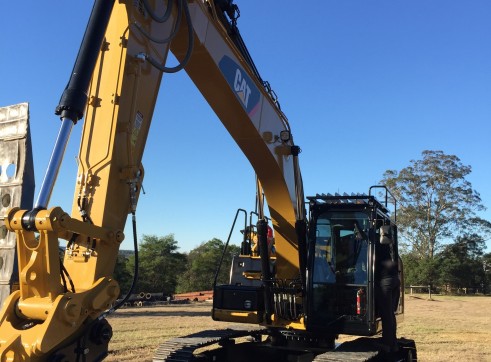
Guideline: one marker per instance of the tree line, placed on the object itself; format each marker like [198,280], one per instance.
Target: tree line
[164,269]
[442,238]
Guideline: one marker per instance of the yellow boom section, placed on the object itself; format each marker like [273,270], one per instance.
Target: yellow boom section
[241,103]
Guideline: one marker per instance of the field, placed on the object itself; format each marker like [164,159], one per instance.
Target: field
[445,328]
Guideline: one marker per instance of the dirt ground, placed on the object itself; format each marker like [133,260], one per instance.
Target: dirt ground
[444,328]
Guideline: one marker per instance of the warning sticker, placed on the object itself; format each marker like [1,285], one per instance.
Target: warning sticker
[136,127]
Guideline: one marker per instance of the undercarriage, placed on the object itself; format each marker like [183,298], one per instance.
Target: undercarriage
[243,343]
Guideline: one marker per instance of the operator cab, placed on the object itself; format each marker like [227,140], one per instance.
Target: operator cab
[343,232]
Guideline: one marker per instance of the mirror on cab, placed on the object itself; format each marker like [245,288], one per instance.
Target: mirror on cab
[386,235]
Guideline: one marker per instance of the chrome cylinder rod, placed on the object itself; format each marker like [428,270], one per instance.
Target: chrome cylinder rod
[54,164]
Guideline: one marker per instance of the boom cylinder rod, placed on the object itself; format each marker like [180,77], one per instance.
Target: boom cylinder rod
[54,164]
[74,97]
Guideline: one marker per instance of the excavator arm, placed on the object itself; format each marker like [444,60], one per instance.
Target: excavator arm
[59,309]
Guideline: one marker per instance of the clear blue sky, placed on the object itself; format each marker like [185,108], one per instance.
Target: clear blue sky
[366,85]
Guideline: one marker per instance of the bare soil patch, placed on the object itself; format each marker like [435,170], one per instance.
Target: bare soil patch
[445,328]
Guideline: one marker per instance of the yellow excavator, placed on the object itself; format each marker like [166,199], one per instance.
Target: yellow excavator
[290,304]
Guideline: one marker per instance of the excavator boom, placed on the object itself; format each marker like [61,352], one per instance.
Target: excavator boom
[114,87]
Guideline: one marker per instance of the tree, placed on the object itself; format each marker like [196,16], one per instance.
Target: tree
[460,264]
[418,271]
[435,202]
[123,274]
[486,266]
[159,264]
[202,265]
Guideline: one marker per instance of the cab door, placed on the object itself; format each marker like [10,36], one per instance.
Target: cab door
[339,273]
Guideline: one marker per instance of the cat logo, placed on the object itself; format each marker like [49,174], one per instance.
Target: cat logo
[243,87]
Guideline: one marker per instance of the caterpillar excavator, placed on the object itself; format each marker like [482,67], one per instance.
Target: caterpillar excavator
[290,305]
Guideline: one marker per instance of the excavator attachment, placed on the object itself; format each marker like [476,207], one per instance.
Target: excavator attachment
[16,184]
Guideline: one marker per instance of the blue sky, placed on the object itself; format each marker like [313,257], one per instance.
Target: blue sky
[366,85]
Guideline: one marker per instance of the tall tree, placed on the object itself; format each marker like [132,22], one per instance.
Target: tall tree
[202,265]
[436,202]
[159,264]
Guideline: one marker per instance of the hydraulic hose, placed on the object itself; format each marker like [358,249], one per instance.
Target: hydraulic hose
[262,235]
[154,16]
[189,51]
[171,36]
[135,273]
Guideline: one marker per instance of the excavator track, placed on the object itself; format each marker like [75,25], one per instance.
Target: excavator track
[363,349]
[368,349]
[347,357]
[181,349]
[359,350]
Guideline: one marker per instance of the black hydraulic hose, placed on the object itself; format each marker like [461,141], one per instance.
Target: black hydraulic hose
[189,51]
[227,8]
[262,235]
[63,279]
[155,40]
[171,36]
[239,42]
[154,16]
[135,274]
[74,97]
[217,272]
[65,276]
